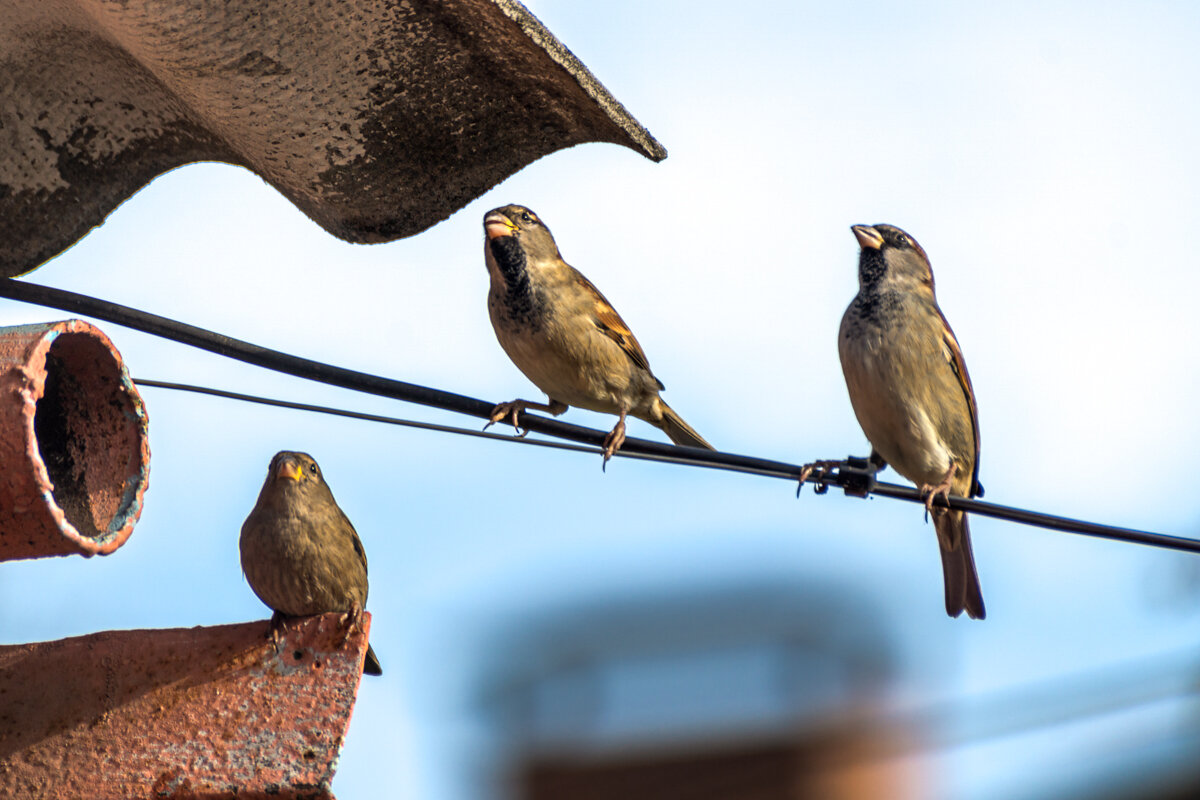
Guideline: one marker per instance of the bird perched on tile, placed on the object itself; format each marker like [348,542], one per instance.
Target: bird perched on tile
[911,393]
[300,553]
[565,336]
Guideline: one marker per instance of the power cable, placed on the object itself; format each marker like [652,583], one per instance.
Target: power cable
[847,477]
[853,476]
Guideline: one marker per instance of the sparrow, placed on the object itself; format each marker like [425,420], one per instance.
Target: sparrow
[565,336]
[911,393]
[300,554]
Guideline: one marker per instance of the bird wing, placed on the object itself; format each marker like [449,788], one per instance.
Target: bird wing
[609,322]
[955,357]
[355,542]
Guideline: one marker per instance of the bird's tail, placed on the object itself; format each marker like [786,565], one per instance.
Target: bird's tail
[371,664]
[958,564]
[677,430]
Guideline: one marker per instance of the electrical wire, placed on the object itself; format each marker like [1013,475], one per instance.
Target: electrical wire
[670,458]
[765,468]
[341,412]
[854,481]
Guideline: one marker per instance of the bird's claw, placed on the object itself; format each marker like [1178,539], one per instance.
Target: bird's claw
[510,410]
[823,470]
[351,621]
[612,443]
[805,472]
[931,493]
[274,629]
[855,476]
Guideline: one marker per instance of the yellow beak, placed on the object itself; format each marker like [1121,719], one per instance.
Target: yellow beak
[868,237]
[288,468]
[497,225]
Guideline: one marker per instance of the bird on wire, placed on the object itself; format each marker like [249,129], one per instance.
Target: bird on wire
[565,336]
[911,393]
[300,554]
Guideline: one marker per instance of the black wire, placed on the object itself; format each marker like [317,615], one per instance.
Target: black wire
[848,479]
[431,426]
[307,368]
[789,471]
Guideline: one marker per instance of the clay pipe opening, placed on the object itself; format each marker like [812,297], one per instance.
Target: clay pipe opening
[74,455]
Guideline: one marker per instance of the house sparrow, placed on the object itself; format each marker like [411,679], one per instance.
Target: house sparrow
[300,553]
[561,332]
[911,393]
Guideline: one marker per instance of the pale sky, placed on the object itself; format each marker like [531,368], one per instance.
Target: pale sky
[1044,154]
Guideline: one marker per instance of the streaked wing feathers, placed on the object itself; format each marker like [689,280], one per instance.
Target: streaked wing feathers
[609,322]
[955,357]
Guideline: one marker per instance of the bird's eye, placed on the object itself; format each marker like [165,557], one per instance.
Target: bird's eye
[526,217]
[312,467]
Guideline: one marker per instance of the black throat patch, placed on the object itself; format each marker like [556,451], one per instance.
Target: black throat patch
[510,259]
[873,302]
[872,266]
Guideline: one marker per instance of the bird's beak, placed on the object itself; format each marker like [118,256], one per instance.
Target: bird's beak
[496,225]
[288,468]
[867,237]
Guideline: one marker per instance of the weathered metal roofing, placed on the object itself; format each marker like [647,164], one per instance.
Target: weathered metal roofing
[377,118]
[185,712]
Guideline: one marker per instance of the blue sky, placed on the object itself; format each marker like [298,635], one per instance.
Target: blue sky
[1042,153]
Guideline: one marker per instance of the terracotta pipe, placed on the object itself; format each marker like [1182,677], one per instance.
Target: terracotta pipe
[74,453]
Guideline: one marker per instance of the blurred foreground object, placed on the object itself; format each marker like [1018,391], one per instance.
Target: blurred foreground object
[74,453]
[782,768]
[739,689]
[183,712]
[377,119]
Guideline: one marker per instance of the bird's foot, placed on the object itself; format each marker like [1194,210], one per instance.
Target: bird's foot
[513,408]
[275,628]
[855,475]
[351,621]
[614,440]
[510,410]
[821,470]
[930,493]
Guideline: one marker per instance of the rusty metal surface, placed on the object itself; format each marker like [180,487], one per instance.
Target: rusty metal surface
[213,712]
[74,447]
[377,118]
